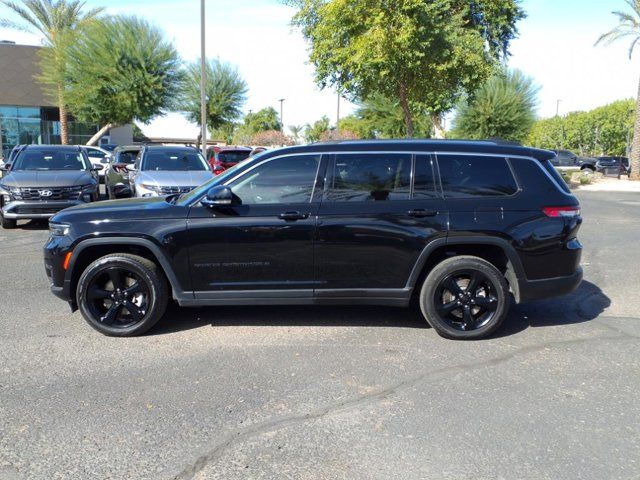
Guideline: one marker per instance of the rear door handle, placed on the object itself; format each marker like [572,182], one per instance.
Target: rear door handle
[421,213]
[293,216]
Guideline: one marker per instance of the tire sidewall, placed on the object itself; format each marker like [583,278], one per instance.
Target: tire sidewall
[154,310]
[446,268]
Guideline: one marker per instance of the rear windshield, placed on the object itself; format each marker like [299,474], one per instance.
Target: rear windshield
[233,157]
[50,160]
[127,156]
[556,176]
[174,160]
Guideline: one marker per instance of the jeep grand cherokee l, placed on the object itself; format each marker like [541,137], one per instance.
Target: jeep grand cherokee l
[44,179]
[459,226]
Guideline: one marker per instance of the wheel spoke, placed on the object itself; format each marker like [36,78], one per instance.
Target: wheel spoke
[453,286]
[445,309]
[489,303]
[136,312]
[116,278]
[474,281]
[111,315]
[96,293]
[469,321]
[137,287]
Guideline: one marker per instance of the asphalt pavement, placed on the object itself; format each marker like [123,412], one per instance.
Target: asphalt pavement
[328,392]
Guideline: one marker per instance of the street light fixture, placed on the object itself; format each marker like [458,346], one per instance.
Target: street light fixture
[281,113]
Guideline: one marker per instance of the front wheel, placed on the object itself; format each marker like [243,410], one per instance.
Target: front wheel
[465,298]
[122,295]
[8,223]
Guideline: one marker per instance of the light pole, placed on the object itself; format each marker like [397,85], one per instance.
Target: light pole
[338,114]
[282,113]
[558,108]
[203,81]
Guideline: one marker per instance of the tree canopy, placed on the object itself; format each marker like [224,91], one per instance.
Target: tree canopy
[603,131]
[120,70]
[226,94]
[422,53]
[504,107]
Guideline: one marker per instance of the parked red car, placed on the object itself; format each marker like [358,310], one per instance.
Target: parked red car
[222,158]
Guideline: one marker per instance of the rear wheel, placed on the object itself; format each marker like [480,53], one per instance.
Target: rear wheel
[587,170]
[465,298]
[122,295]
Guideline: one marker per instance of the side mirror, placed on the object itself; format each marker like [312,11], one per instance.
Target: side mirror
[97,168]
[5,167]
[218,197]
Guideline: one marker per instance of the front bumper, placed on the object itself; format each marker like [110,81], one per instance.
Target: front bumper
[27,210]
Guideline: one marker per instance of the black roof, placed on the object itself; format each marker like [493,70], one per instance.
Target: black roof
[464,146]
[72,148]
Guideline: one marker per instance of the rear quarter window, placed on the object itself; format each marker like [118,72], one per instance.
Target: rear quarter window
[469,176]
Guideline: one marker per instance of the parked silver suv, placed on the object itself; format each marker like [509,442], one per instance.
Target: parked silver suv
[161,171]
[44,179]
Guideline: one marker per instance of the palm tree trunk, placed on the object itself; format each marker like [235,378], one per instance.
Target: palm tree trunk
[438,128]
[102,132]
[406,110]
[635,152]
[64,122]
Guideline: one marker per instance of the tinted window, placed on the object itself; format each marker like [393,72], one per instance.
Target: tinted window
[50,160]
[233,157]
[465,176]
[126,156]
[371,177]
[424,186]
[283,180]
[174,160]
[548,166]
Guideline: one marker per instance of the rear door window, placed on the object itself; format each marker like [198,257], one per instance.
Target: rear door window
[370,177]
[468,176]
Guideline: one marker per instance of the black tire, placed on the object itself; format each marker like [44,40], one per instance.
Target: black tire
[8,223]
[115,283]
[454,312]
[588,170]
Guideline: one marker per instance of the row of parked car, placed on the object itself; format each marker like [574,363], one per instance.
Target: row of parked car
[608,165]
[40,180]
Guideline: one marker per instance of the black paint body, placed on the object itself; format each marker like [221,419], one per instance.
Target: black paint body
[336,252]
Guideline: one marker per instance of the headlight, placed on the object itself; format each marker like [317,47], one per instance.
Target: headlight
[90,188]
[152,188]
[58,229]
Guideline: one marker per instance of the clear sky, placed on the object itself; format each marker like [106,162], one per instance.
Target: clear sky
[555,46]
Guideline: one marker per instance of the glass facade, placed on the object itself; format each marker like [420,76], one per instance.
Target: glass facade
[29,125]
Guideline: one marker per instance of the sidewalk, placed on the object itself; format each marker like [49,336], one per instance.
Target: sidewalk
[612,185]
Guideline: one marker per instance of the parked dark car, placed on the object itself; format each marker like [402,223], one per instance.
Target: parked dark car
[223,158]
[117,175]
[461,227]
[568,159]
[44,179]
[613,165]
[110,147]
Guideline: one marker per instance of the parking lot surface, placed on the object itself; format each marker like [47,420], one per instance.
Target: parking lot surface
[331,392]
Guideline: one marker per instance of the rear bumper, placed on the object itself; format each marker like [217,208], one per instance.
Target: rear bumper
[25,210]
[531,290]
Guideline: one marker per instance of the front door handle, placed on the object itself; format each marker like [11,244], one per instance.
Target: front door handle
[421,213]
[293,216]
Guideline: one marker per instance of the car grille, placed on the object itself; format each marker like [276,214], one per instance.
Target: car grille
[33,210]
[53,193]
[174,190]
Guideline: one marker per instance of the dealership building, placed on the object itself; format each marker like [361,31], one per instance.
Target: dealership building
[27,114]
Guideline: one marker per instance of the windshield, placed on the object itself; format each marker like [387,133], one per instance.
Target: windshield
[50,160]
[174,160]
[126,156]
[233,156]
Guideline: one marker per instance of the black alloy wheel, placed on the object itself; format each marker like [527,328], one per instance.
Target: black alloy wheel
[465,298]
[122,294]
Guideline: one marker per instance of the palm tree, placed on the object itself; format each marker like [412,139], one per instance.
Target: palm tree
[629,27]
[56,21]
[296,132]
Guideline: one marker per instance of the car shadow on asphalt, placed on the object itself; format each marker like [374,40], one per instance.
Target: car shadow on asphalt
[585,304]
[34,225]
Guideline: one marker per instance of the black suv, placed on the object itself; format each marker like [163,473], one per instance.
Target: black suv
[43,179]
[459,226]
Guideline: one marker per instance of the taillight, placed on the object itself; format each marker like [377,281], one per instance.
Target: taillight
[556,212]
[120,168]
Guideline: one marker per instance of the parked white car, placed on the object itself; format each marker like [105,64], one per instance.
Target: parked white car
[98,156]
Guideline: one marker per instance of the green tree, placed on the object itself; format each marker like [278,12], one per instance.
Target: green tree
[504,107]
[264,120]
[629,28]
[383,117]
[296,132]
[226,93]
[313,132]
[424,54]
[121,70]
[58,23]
